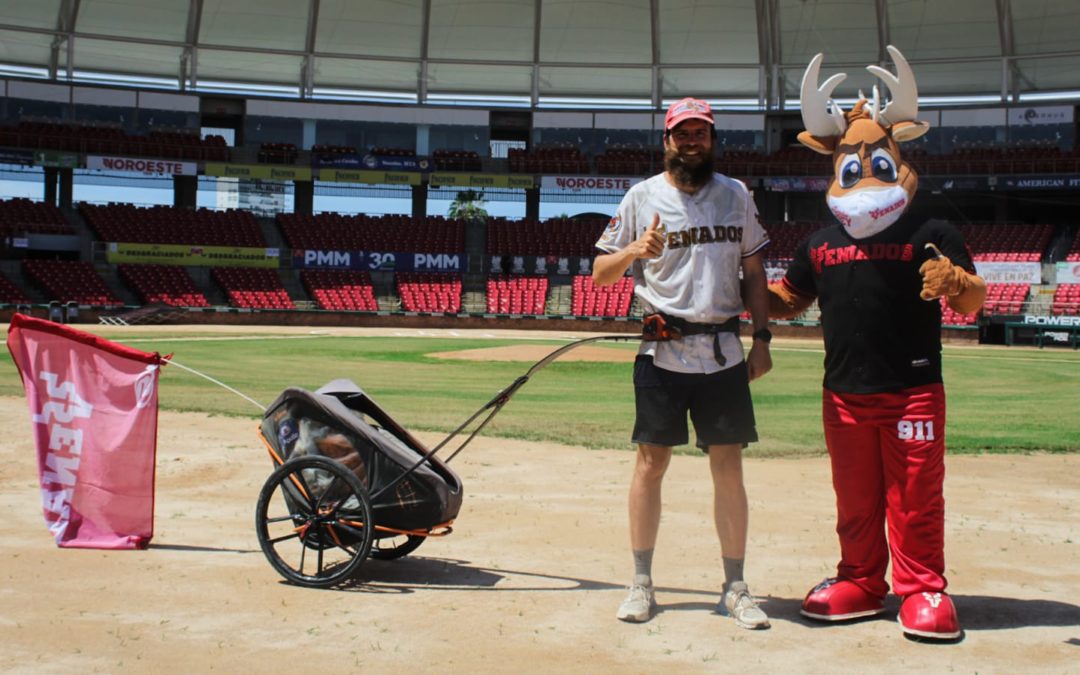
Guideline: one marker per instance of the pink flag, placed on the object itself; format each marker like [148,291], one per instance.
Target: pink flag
[93,409]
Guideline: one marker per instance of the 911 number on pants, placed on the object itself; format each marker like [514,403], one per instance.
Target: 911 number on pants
[920,430]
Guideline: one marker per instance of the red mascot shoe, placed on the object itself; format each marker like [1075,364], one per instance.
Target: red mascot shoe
[839,600]
[929,615]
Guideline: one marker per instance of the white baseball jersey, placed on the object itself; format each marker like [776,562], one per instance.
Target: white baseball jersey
[696,278]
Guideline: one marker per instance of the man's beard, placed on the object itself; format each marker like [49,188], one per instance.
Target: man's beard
[693,173]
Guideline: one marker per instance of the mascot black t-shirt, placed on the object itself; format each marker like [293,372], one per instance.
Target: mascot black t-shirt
[880,336]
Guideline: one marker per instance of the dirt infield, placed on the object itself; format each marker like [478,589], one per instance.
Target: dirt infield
[530,579]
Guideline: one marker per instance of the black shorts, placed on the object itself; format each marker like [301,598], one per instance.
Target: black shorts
[719,405]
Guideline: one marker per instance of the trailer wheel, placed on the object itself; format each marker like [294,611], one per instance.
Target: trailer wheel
[314,521]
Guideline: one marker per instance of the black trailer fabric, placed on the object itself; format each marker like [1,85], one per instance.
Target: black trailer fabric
[341,422]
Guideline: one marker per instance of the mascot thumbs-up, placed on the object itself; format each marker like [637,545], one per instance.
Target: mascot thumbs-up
[877,275]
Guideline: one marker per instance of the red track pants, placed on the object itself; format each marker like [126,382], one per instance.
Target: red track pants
[888,467]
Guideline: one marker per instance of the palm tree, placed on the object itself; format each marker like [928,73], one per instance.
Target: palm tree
[469,206]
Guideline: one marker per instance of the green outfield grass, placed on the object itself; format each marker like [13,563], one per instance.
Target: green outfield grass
[1000,400]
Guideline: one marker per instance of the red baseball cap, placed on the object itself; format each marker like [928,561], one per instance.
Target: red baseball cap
[687,109]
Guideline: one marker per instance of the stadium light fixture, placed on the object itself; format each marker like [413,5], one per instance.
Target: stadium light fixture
[364,95]
[124,80]
[12,70]
[1050,96]
[254,89]
[594,103]
[490,100]
[725,104]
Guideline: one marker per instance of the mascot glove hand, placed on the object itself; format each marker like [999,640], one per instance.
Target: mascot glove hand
[941,277]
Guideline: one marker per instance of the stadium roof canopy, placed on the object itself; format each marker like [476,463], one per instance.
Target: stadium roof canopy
[741,54]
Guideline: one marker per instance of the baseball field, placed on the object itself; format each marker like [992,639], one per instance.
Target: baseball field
[530,578]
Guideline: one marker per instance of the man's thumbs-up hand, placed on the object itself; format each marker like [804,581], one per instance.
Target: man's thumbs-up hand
[651,242]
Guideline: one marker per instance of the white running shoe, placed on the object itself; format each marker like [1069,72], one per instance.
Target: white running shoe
[740,605]
[639,605]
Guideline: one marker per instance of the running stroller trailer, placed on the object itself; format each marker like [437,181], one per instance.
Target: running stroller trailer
[351,483]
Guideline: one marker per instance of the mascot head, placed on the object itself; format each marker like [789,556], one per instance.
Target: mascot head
[872,185]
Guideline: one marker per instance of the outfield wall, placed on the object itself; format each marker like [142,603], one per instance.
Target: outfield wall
[323,319]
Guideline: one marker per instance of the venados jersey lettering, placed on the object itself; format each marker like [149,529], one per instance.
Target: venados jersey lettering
[826,256]
[704,235]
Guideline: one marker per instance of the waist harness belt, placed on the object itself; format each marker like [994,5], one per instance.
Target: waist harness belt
[660,327]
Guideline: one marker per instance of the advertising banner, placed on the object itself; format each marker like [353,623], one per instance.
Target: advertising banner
[369,177]
[1010,272]
[191,256]
[149,167]
[1022,182]
[17,157]
[617,184]
[378,260]
[480,180]
[1032,116]
[258,171]
[93,414]
[54,158]
[373,162]
[1067,273]
[380,163]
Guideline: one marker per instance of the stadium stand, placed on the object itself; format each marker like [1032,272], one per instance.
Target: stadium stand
[340,290]
[1073,254]
[70,281]
[949,317]
[1066,300]
[741,162]
[10,294]
[390,233]
[621,161]
[793,160]
[516,295]
[253,288]
[1005,298]
[422,292]
[784,238]
[553,237]
[589,300]
[172,225]
[277,153]
[106,139]
[329,153]
[548,159]
[162,284]
[457,160]
[392,152]
[23,216]
[1003,242]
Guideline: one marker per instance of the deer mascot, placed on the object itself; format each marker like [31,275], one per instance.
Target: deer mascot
[877,275]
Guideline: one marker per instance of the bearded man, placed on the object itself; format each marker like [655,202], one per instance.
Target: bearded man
[685,234]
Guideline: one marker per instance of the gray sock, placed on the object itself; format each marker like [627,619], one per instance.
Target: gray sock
[733,571]
[643,567]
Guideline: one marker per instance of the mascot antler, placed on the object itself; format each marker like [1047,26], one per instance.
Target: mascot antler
[821,116]
[904,104]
